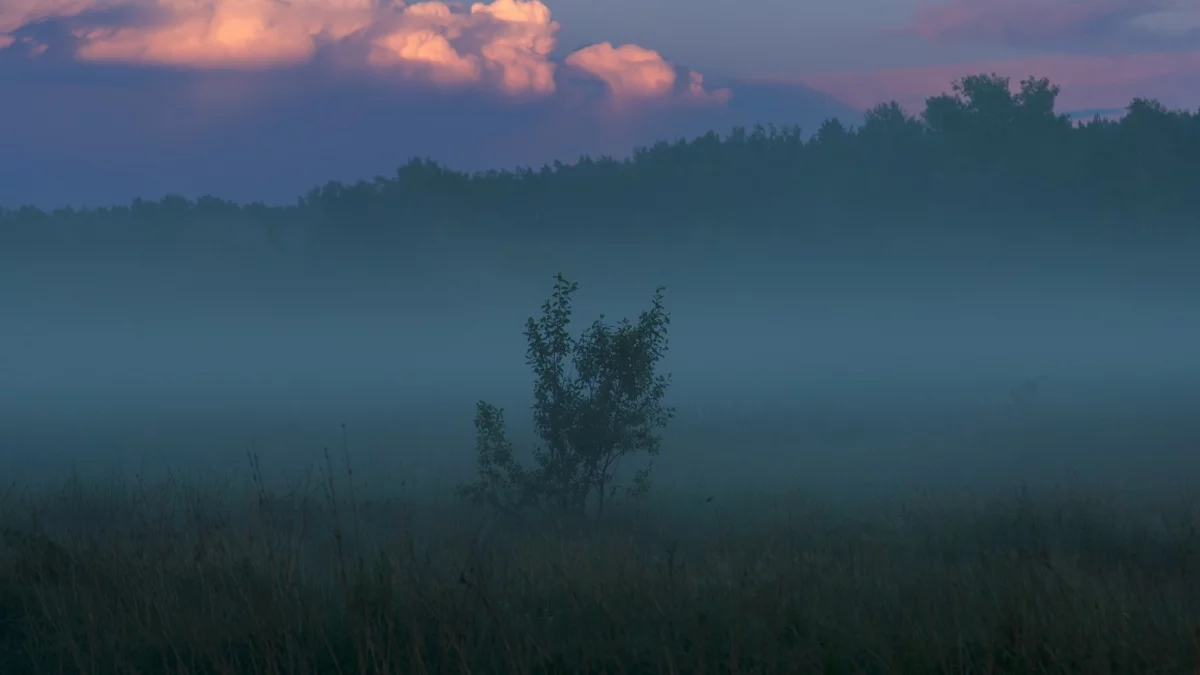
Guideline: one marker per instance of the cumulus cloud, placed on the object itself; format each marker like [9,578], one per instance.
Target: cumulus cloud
[628,71]
[508,39]
[1034,22]
[631,72]
[228,33]
[520,44]
[505,45]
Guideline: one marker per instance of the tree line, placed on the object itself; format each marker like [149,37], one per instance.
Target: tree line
[985,151]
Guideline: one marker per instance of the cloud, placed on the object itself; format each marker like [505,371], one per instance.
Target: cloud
[631,72]
[511,40]
[1036,22]
[261,99]
[227,33]
[1088,82]
[31,47]
[520,45]
[697,91]
[16,14]
[501,45]
[1180,20]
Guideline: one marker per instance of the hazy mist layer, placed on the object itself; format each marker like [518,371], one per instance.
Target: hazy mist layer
[851,362]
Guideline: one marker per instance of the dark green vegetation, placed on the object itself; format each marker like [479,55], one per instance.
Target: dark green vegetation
[180,578]
[980,153]
[597,400]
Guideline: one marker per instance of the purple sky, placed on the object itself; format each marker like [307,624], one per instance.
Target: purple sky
[105,100]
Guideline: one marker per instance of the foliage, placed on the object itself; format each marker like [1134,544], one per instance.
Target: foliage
[987,150]
[178,579]
[597,399]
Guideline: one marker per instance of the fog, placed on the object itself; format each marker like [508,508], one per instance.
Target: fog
[843,363]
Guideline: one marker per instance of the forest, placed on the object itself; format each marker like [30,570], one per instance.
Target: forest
[986,152]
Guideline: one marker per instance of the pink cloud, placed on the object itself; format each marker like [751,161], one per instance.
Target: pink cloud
[227,34]
[501,45]
[508,40]
[422,39]
[520,51]
[1087,81]
[631,72]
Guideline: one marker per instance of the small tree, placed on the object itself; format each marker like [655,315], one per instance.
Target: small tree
[597,399]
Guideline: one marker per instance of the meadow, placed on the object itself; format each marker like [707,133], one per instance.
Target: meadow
[850,485]
[194,575]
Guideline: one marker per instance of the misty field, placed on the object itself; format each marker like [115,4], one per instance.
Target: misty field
[194,576]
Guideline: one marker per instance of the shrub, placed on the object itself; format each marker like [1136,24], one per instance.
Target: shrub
[597,399]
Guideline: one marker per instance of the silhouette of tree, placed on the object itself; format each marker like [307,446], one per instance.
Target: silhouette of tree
[598,399]
[984,153]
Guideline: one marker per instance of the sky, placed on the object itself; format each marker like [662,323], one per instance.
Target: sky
[102,101]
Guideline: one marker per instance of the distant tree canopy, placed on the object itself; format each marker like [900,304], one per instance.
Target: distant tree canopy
[984,151]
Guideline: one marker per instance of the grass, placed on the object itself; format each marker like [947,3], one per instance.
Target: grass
[195,577]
